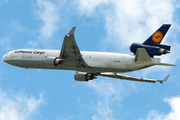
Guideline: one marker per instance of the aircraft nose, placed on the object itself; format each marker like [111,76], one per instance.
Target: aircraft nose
[4,58]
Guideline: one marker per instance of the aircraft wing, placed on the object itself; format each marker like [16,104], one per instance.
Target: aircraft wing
[70,51]
[126,77]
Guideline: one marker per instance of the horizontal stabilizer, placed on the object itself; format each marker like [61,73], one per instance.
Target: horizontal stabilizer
[165,64]
[142,55]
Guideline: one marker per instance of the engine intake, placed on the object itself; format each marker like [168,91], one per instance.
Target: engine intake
[81,76]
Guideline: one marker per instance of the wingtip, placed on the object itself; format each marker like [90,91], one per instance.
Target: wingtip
[164,79]
[71,32]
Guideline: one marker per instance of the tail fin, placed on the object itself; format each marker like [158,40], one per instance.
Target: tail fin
[156,38]
[152,44]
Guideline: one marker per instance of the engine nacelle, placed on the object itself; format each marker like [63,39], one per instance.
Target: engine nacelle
[53,61]
[151,50]
[58,61]
[81,76]
[162,51]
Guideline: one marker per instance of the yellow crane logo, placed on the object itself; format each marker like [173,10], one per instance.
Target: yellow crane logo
[157,37]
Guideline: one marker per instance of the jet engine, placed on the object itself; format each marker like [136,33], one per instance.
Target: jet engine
[53,61]
[81,76]
[151,50]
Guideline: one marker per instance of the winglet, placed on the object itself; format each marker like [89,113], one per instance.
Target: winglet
[71,32]
[164,79]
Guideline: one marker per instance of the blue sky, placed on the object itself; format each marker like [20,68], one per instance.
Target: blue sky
[103,25]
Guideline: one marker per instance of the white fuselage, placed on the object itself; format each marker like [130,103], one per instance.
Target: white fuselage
[98,61]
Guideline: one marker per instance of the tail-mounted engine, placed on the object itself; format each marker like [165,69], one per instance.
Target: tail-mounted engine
[81,76]
[153,44]
[53,61]
[151,50]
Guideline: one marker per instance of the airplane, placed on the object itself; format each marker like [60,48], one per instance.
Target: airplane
[89,65]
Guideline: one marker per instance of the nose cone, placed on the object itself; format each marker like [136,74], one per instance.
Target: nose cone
[4,58]
[7,58]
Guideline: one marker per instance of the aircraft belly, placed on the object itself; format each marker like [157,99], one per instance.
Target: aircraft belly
[99,70]
[27,63]
[33,64]
[38,64]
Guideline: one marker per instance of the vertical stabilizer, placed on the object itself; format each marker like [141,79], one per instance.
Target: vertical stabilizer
[157,36]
